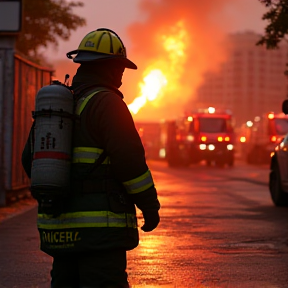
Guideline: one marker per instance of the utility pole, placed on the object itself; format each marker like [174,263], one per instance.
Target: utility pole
[10,26]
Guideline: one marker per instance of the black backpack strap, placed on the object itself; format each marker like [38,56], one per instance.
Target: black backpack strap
[99,161]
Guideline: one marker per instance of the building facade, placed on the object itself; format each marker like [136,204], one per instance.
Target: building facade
[251,81]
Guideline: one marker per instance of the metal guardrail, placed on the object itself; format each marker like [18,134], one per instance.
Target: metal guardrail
[23,81]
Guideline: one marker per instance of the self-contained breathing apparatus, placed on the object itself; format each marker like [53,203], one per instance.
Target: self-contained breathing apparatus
[52,148]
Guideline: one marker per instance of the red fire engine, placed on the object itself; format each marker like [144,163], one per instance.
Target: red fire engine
[207,135]
[260,137]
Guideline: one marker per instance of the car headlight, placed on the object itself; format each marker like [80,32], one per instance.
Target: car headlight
[230,147]
[211,147]
[202,146]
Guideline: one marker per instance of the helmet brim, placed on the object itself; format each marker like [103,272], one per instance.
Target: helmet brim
[86,56]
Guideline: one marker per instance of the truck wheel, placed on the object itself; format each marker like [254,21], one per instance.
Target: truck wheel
[231,162]
[184,158]
[250,159]
[220,163]
[279,197]
[230,159]
[173,157]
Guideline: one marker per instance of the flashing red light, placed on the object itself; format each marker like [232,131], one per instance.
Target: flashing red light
[273,138]
[270,116]
[221,138]
[203,138]
[242,139]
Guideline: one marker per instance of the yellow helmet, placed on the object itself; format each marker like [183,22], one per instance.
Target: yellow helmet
[101,44]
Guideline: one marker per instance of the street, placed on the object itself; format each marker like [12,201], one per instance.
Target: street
[218,229]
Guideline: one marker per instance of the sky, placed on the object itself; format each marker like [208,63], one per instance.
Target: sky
[174,40]
[113,14]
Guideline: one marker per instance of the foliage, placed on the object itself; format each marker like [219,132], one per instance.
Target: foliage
[44,22]
[277,27]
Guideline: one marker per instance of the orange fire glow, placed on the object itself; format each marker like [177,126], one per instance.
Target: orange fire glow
[163,75]
[150,89]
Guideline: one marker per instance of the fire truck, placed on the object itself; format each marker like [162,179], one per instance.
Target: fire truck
[206,134]
[149,134]
[262,136]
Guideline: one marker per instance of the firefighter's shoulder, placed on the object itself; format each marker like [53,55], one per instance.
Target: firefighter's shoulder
[109,103]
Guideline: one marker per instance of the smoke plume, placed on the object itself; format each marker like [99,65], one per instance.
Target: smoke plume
[203,48]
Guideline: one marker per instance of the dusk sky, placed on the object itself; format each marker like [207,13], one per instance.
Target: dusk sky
[173,43]
[118,15]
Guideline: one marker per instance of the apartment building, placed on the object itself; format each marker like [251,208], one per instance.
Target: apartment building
[251,81]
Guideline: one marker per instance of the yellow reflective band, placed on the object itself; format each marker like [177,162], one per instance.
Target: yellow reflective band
[87,149]
[87,219]
[140,183]
[88,155]
[83,101]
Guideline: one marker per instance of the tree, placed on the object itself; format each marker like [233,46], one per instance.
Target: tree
[44,22]
[277,27]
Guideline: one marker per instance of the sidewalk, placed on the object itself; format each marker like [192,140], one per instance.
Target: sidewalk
[17,208]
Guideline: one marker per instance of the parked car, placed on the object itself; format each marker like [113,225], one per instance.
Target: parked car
[278,179]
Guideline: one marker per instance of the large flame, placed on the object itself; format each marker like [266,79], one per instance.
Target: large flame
[150,89]
[164,74]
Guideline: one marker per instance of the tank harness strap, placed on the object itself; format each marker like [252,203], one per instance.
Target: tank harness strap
[81,104]
[79,108]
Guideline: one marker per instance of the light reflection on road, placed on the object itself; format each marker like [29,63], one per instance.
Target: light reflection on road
[214,233]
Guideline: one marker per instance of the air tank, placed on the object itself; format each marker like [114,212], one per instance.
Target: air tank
[51,165]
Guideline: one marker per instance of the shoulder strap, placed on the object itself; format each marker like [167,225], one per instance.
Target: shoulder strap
[82,102]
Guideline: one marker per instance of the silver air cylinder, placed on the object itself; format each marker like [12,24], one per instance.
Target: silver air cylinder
[53,139]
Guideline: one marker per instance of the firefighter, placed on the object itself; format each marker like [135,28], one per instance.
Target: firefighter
[89,239]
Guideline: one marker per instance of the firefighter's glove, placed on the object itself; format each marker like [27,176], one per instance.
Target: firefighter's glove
[151,220]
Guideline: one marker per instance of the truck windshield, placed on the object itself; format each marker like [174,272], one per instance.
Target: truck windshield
[212,125]
[281,126]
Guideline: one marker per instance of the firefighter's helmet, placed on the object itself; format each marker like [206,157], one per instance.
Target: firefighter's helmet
[101,44]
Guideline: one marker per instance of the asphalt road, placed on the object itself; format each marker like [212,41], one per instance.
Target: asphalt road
[218,229]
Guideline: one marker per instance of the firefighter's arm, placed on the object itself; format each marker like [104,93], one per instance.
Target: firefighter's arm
[122,143]
[148,203]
